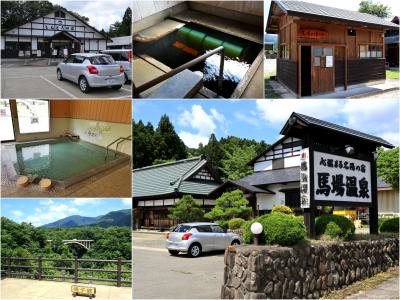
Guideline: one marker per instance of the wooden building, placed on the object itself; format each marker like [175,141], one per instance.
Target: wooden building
[323,49]
[157,188]
[276,179]
[392,45]
[56,34]
[388,199]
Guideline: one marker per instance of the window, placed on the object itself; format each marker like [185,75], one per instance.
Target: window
[78,59]
[370,51]
[59,14]
[351,32]
[217,229]
[204,228]
[6,122]
[33,116]
[285,51]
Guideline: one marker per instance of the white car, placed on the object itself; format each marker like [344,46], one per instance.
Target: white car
[195,238]
[91,70]
[122,57]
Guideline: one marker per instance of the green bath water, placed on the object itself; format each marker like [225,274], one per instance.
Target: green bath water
[59,159]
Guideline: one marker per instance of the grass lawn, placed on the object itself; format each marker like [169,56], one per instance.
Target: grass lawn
[363,285]
[391,74]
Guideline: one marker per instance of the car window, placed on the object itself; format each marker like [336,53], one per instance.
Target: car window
[182,228]
[102,60]
[204,228]
[78,60]
[70,59]
[216,228]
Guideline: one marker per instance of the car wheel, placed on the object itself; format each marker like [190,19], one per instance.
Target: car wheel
[235,243]
[116,87]
[83,85]
[194,250]
[173,252]
[59,75]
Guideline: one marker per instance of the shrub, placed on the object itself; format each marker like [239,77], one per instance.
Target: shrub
[279,228]
[390,225]
[223,224]
[235,223]
[381,220]
[347,228]
[282,209]
[333,230]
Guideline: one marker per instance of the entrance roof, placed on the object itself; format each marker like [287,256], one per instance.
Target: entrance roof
[66,34]
[322,12]
[299,122]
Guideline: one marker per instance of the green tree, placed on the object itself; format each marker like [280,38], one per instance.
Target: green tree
[230,205]
[214,154]
[168,143]
[122,28]
[377,9]
[234,165]
[143,153]
[186,210]
[388,166]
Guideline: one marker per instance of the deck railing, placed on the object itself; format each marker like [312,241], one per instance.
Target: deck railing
[11,266]
[155,81]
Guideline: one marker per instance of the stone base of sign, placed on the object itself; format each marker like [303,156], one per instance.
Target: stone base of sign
[303,271]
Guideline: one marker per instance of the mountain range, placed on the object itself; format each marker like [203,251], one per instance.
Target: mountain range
[113,218]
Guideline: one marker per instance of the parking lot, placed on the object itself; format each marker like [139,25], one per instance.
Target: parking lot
[37,82]
[156,274]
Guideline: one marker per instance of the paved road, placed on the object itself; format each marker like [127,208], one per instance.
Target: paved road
[25,289]
[386,290]
[156,274]
[41,82]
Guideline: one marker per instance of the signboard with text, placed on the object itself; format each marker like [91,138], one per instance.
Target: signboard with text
[305,178]
[339,178]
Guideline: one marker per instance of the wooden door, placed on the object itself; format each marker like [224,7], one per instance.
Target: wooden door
[323,70]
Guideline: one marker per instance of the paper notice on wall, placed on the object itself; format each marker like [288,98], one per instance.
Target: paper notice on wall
[39,53]
[329,61]
[65,52]
[55,52]
[21,53]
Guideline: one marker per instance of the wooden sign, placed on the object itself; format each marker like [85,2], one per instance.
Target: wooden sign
[314,34]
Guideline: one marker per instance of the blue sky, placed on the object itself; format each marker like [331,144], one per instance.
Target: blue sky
[195,120]
[43,211]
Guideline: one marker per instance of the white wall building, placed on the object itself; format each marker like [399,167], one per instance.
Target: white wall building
[56,34]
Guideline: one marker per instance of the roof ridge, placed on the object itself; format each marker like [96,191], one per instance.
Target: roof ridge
[188,171]
[341,126]
[168,163]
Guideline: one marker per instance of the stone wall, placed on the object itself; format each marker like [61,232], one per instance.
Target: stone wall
[303,271]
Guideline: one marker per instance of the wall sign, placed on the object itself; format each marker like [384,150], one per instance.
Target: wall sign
[59,26]
[339,178]
[305,178]
[314,34]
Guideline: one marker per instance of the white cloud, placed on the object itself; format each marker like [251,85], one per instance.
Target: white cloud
[101,14]
[46,202]
[252,120]
[203,124]
[50,212]
[85,201]
[17,213]
[126,201]
[379,117]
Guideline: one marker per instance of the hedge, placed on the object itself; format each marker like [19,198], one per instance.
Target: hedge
[390,225]
[346,226]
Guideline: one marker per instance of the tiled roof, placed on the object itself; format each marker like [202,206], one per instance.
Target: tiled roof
[383,184]
[300,8]
[334,127]
[170,178]
[273,176]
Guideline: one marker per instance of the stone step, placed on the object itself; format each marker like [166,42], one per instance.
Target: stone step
[185,84]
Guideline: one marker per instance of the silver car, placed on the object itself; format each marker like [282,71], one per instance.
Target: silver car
[91,70]
[195,238]
[123,57]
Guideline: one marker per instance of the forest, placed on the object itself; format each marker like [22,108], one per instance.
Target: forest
[228,156]
[25,240]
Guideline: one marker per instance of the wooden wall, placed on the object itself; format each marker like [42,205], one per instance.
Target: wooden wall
[388,201]
[364,70]
[287,73]
[116,111]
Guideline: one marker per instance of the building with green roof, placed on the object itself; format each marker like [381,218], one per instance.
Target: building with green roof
[157,188]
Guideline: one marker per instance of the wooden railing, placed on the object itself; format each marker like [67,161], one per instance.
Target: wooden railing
[10,267]
[173,72]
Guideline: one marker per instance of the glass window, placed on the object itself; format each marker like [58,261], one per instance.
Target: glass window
[216,228]
[33,116]
[78,59]
[102,60]
[204,228]
[317,51]
[363,51]
[6,122]
[285,51]
[182,228]
[328,52]
[317,61]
